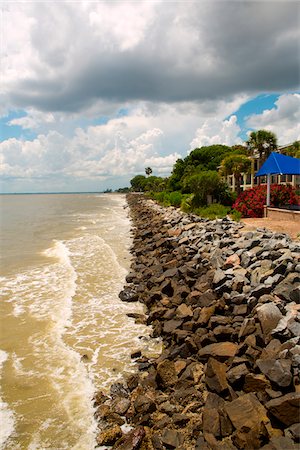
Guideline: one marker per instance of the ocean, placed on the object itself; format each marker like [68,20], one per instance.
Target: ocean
[64,333]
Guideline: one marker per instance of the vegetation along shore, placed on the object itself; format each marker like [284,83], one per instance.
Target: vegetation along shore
[226,305]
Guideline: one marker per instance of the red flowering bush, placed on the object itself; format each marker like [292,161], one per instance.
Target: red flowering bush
[250,203]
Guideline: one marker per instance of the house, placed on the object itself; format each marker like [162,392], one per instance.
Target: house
[249,180]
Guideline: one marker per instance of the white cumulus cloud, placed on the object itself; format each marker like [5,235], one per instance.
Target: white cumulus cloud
[283,119]
[214,131]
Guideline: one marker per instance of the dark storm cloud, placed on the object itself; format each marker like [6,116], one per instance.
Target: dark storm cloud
[193,51]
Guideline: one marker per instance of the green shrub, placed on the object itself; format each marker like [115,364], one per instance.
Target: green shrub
[235,215]
[175,198]
[214,211]
[187,202]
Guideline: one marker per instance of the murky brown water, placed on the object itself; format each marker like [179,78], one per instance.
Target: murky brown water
[64,332]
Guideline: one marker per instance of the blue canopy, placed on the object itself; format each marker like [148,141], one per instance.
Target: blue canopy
[279,164]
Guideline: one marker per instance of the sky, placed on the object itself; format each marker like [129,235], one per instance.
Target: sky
[92,92]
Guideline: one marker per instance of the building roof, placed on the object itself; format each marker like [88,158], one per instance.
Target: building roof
[279,164]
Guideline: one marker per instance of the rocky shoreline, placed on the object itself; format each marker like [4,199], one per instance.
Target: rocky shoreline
[226,305]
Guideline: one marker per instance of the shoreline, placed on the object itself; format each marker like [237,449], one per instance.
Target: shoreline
[226,306]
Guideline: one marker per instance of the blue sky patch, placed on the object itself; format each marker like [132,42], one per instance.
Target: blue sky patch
[254,106]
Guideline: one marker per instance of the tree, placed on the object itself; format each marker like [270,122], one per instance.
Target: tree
[174,183]
[148,171]
[155,184]
[262,143]
[236,165]
[138,183]
[209,158]
[292,150]
[202,185]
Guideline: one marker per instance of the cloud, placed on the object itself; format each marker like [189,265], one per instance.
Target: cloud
[121,148]
[70,55]
[105,89]
[283,120]
[33,120]
[214,131]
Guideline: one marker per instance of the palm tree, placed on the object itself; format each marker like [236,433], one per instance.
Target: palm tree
[261,143]
[148,171]
[236,165]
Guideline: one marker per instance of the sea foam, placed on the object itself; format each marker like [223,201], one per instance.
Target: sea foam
[7,419]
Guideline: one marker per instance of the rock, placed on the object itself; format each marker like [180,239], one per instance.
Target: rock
[277,370]
[219,278]
[184,312]
[168,408]
[136,354]
[220,349]
[205,287]
[232,260]
[248,327]
[260,290]
[269,316]
[119,390]
[120,405]
[131,440]
[143,404]
[286,288]
[109,435]
[215,375]
[246,412]
[179,365]
[280,443]
[293,432]
[180,419]
[166,373]
[128,294]
[171,325]
[256,383]
[236,373]
[240,310]
[285,408]
[205,314]
[211,421]
[172,438]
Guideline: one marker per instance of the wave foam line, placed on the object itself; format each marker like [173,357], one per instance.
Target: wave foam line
[7,419]
[61,252]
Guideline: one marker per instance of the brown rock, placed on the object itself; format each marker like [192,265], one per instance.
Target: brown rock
[109,435]
[166,373]
[286,408]
[269,315]
[236,373]
[293,431]
[240,310]
[172,438]
[225,424]
[183,311]
[232,260]
[256,383]
[143,404]
[248,327]
[211,421]
[171,325]
[271,350]
[277,370]
[205,314]
[215,375]
[120,405]
[246,412]
[179,365]
[131,440]
[280,443]
[219,349]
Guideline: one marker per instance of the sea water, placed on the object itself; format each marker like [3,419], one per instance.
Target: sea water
[64,333]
